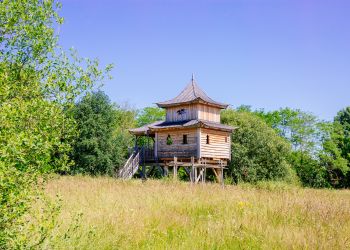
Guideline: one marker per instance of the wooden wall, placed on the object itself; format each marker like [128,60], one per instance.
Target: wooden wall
[208,113]
[177,149]
[197,145]
[193,112]
[190,113]
[217,147]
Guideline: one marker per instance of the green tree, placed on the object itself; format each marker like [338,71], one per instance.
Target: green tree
[123,140]
[343,119]
[281,120]
[149,115]
[146,116]
[102,143]
[244,108]
[258,153]
[298,127]
[331,155]
[311,150]
[309,170]
[38,81]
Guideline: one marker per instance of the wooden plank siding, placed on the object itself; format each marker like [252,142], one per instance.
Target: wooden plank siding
[190,113]
[197,145]
[193,112]
[217,147]
[208,113]
[177,148]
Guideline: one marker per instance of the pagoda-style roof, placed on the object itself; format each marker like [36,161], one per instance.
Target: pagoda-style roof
[191,94]
[149,129]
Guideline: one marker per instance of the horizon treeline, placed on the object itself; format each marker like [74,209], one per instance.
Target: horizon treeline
[285,145]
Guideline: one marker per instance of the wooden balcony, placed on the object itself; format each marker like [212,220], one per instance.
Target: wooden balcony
[146,154]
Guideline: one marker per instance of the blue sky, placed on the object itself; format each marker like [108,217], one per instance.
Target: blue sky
[264,53]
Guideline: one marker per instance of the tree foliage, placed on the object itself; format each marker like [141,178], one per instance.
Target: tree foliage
[150,114]
[102,144]
[258,153]
[38,83]
[301,130]
[342,120]
[343,117]
[330,156]
[317,154]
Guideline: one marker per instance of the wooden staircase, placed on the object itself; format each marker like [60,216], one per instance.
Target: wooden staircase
[131,166]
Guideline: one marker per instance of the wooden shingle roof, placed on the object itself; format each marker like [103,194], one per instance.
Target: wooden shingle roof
[163,125]
[191,94]
[144,130]
[192,124]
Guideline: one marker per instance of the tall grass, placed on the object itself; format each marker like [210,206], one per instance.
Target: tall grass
[104,213]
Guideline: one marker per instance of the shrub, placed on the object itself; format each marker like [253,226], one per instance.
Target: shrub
[102,143]
[258,153]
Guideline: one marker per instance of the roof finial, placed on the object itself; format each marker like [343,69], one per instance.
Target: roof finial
[192,77]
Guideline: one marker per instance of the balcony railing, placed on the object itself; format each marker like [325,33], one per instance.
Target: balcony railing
[146,153]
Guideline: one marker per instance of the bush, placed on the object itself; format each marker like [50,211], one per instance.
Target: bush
[102,143]
[310,172]
[258,153]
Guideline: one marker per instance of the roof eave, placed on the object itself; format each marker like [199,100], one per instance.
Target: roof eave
[173,128]
[144,130]
[203,125]
[198,100]
[137,132]
[199,124]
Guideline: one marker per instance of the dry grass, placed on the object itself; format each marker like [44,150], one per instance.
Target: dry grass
[167,215]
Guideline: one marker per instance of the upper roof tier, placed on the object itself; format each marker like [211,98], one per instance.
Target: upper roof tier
[191,94]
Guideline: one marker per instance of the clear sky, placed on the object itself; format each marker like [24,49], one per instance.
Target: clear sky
[264,53]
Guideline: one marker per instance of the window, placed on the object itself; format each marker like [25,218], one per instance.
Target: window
[208,139]
[169,140]
[184,139]
[226,139]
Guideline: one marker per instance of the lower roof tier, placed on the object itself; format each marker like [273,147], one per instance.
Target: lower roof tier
[150,129]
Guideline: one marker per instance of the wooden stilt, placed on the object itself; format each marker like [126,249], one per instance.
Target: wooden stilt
[192,170]
[175,168]
[166,170]
[216,174]
[200,175]
[205,171]
[222,173]
[195,174]
[222,176]
[203,174]
[144,175]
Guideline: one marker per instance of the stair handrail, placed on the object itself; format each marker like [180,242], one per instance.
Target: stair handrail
[130,167]
[125,167]
[133,166]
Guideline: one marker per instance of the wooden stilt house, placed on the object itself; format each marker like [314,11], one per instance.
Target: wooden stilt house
[191,137]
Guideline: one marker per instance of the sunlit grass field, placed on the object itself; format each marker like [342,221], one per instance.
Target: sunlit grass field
[104,213]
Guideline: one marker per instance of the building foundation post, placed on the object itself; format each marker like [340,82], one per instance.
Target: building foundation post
[175,168]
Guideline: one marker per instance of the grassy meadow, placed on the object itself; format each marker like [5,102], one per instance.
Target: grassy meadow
[104,213]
